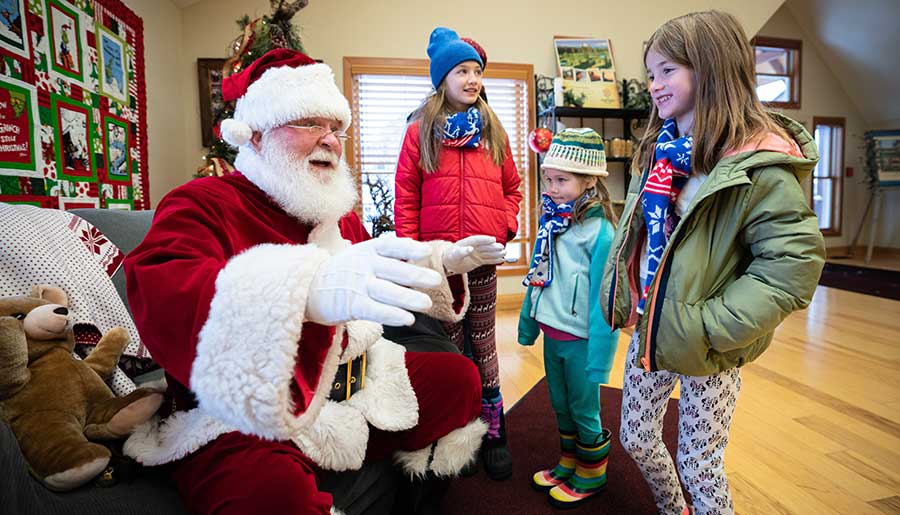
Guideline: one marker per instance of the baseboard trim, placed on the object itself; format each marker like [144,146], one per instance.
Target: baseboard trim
[510,301]
[832,252]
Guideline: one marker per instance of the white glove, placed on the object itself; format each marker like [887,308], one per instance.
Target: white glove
[368,281]
[469,253]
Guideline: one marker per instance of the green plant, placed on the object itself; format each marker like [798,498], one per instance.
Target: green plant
[383,199]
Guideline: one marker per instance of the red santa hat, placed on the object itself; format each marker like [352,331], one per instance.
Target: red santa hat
[281,86]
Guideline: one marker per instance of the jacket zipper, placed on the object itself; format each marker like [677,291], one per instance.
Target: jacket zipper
[651,307]
[575,295]
[462,197]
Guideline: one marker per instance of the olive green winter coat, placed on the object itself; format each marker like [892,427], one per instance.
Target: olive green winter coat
[746,253]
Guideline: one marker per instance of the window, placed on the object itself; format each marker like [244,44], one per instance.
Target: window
[827,179]
[382,94]
[778,71]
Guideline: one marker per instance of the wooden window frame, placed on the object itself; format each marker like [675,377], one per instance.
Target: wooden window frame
[402,66]
[837,198]
[787,44]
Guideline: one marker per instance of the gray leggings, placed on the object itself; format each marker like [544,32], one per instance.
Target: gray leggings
[704,417]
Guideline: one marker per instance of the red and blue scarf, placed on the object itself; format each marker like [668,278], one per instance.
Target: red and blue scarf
[553,222]
[669,174]
[463,129]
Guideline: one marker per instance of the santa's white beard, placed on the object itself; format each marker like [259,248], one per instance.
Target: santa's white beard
[309,196]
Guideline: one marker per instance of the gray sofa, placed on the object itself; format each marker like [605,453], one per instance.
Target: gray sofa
[376,488]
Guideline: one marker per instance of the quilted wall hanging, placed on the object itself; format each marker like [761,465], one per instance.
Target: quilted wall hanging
[73,105]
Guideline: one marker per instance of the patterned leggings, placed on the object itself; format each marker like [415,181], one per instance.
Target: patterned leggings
[704,413]
[474,335]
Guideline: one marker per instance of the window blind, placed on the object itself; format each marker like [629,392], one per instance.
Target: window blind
[381,105]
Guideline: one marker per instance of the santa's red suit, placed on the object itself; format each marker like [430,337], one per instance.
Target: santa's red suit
[218,290]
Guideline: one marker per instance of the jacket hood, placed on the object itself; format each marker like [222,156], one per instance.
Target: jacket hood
[773,151]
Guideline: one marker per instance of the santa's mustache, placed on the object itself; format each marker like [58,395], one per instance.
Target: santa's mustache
[322,157]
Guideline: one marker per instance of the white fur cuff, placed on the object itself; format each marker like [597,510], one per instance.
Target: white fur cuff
[442,297]
[248,347]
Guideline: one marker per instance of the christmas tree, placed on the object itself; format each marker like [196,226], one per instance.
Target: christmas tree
[257,37]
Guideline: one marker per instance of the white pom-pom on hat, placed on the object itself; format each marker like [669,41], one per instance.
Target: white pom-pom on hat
[235,133]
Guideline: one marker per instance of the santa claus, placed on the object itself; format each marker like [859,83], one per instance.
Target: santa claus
[262,296]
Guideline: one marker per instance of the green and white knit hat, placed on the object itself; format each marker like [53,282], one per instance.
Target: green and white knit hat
[577,151]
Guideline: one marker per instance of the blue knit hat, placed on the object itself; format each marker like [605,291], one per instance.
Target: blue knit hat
[446,50]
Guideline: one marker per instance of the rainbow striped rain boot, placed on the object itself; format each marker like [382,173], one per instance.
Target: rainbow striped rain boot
[589,477]
[546,479]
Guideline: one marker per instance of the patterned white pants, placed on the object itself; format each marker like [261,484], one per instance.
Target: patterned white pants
[704,418]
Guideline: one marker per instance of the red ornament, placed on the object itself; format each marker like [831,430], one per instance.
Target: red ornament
[539,139]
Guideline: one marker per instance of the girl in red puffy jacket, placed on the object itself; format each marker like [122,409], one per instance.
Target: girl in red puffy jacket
[456,178]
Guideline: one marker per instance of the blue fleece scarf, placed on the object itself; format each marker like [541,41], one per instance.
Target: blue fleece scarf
[554,221]
[668,176]
[463,129]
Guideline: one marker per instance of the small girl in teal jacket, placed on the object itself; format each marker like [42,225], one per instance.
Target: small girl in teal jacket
[573,240]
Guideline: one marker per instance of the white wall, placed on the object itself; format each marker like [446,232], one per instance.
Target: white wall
[822,95]
[516,31]
[163,50]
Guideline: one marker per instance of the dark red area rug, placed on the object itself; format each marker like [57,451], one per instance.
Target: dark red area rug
[534,444]
[870,281]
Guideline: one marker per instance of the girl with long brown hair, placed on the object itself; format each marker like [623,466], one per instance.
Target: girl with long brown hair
[456,179]
[716,246]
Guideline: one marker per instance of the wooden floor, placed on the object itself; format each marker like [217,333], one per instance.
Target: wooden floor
[817,426]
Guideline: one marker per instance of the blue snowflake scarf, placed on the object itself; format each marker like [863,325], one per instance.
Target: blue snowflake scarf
[463,129]
[554,221]
[668,176]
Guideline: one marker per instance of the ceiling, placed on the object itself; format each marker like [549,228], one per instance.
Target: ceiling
[860,43]
[185,3]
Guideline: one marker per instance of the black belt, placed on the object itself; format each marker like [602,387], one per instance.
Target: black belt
[349,379]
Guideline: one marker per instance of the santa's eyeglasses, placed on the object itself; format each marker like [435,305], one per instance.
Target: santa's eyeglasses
[320,132]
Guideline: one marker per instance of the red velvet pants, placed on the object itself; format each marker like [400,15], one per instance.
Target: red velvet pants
[241,474]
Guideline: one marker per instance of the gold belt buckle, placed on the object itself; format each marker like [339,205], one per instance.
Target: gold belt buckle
[349,379]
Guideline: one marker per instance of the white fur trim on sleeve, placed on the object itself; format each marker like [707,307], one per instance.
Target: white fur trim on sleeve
[248,347]
[442,295]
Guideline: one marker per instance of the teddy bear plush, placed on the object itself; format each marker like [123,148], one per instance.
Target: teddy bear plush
[56,404]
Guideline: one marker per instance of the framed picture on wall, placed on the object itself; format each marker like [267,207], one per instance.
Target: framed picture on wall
[112,59]
[209,73]
[116,142]
[884,150]
[588,71]
[72,142]
[12,27]
[65,40]
[20,149]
